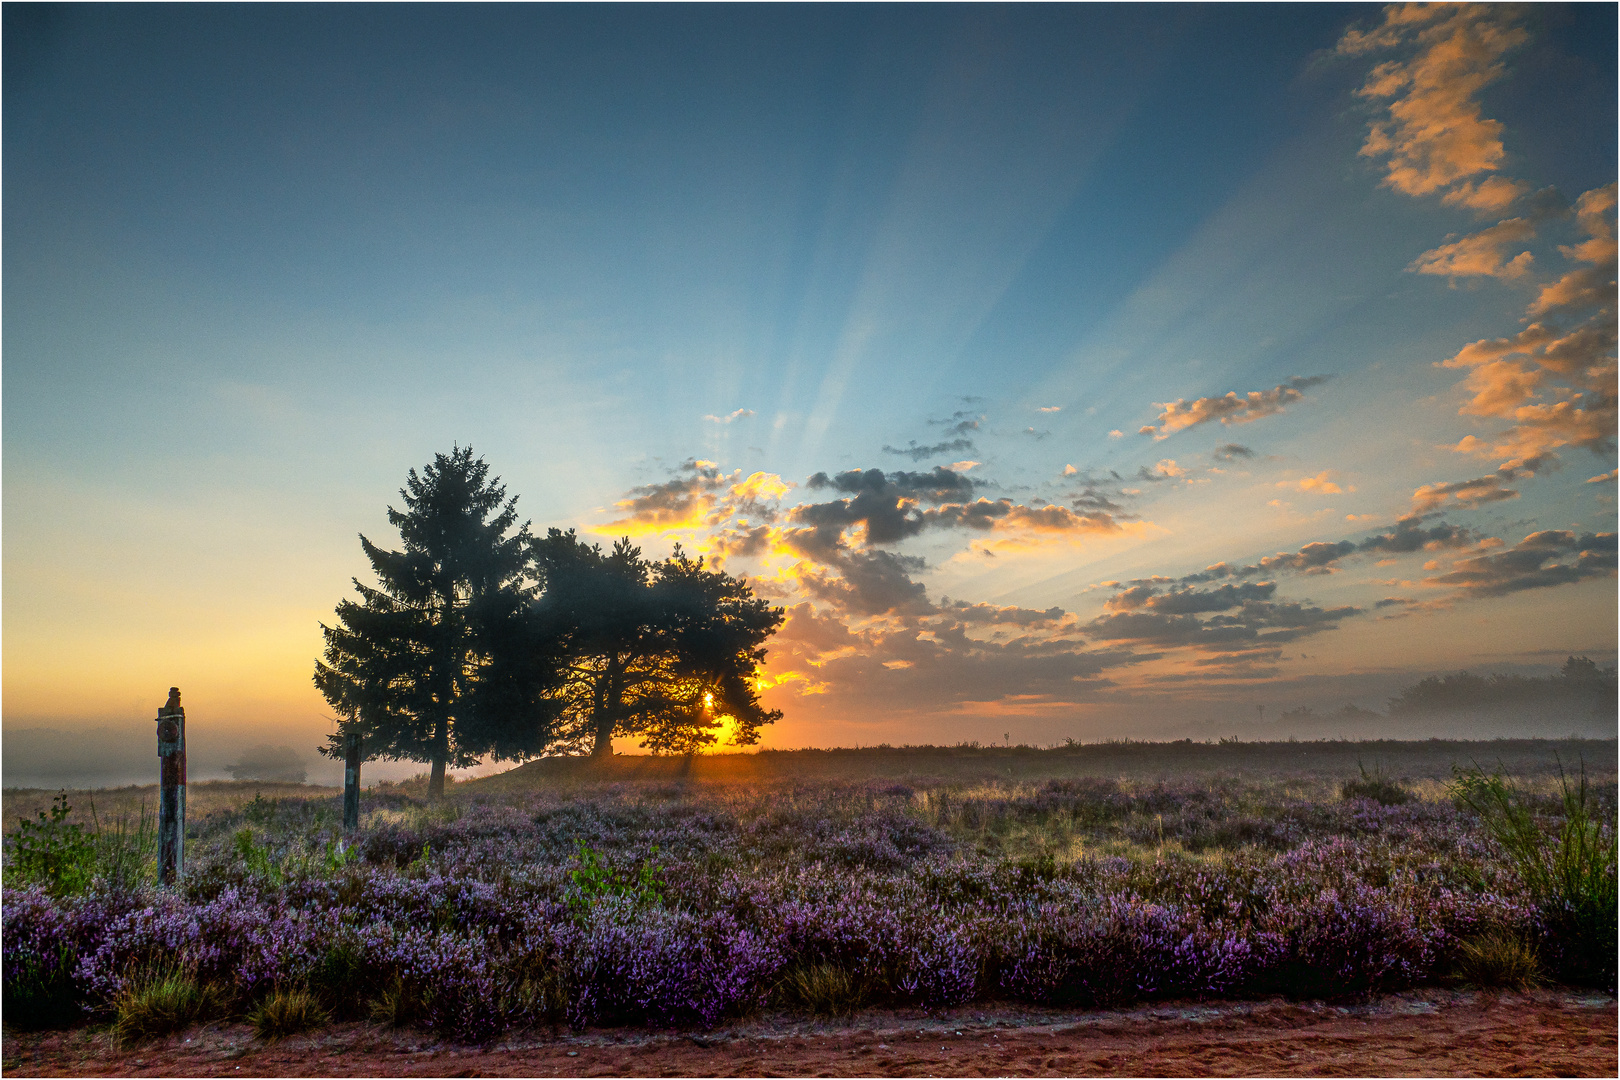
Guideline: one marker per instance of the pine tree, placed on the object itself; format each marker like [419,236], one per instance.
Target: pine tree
[442,662]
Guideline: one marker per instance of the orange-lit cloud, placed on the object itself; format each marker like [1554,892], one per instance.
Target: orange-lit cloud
[1432,134]
[1482,254]
[1230,408]
[1322,483]
[1491,195]
[1540,560]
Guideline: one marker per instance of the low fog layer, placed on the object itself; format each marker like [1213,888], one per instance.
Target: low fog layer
[1541,702]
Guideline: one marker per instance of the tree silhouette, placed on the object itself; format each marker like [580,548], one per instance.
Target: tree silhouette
[442,661]
[662,651]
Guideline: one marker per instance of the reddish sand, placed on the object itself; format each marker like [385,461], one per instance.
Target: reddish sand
[1425,1033]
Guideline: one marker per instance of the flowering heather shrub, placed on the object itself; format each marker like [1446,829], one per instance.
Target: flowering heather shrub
[469,920]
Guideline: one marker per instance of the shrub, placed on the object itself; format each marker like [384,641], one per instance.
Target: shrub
[50,851]
[286,1012]
[164,1001]
[1377,787]
[1571,876]
[1498,958]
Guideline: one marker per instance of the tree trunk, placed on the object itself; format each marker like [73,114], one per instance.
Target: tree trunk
[609,695]
[441,752]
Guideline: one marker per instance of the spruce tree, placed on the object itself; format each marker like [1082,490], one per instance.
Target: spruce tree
[441,661]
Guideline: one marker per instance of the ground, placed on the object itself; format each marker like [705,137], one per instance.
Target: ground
[1419,1033]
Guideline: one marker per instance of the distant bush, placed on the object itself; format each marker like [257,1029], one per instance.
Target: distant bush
[1377,787]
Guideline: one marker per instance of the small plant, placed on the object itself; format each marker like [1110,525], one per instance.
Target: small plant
[826,989]
[286,1012]
[1498,959]
[1375,786]
[165,1001]
[260,811]
[594,880]
[398,1005]
[58,855]
[126,853]
[256,857]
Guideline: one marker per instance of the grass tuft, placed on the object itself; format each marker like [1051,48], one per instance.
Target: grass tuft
[826,989]
[286,1012]
[160,1004]
[1498,959]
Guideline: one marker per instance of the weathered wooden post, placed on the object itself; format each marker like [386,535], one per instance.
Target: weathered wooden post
[351,780]
[171,737]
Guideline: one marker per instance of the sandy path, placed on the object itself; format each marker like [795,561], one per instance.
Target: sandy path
[1424,1033]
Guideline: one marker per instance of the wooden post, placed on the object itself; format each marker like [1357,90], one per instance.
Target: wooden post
[171,736]
[351,781]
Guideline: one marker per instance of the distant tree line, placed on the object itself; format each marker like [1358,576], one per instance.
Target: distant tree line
[481,639]
[1579,684]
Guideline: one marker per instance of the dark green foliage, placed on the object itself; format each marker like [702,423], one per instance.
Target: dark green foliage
[440,663]
[660,651]
[54,852]
[1568,865]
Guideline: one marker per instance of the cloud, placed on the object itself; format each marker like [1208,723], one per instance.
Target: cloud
[1050,408]
[963,466]
[990,614]
[1489,196]
[730,417]
[871,583]
[960,423]
[683,502]
[1541,560]
[1604,478]
[918,453]
[1230,409]
[1482,489]
[1232,451]
[1432,134]
[1591,286]
[1251,625]
[1409,535]
[1320,484]
[1116,434]
[1482,254]
[1164,470]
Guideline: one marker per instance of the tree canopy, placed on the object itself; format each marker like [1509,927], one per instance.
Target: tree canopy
[481,639]
[440,662]
[664,651]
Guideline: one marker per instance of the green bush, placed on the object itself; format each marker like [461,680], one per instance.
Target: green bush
[50,851]
[1570,875]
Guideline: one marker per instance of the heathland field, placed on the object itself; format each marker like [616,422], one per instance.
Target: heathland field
[684,892]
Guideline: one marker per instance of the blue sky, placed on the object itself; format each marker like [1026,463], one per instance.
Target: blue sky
[261,260]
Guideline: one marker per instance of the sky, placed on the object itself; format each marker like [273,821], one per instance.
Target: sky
[1063,371]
